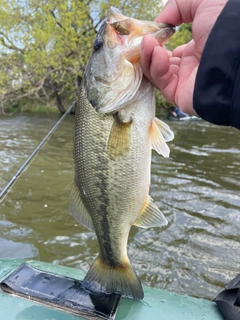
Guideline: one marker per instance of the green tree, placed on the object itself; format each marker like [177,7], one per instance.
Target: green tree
[44,45]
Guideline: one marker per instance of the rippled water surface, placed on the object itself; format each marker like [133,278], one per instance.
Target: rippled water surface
[197,188]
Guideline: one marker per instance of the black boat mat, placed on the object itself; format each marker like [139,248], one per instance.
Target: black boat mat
[60,292]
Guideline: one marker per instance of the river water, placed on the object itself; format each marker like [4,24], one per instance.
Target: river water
[197,189]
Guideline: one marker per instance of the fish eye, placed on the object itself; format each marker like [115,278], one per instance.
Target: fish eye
[97,44]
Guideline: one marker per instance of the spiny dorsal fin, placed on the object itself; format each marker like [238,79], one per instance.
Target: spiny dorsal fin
[78,210]
[119,139]
[159,134]
[150,216]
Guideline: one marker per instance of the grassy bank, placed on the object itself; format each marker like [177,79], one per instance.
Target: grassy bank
[32,106]
[38,108]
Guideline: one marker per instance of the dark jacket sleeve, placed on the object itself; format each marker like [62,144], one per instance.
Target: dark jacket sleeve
[216,95]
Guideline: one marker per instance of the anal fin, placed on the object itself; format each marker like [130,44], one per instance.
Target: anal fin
[150,216]
[78,210]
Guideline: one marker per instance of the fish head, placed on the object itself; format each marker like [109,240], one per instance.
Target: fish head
[113,74]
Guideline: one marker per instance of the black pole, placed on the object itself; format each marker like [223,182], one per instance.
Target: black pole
[18,173]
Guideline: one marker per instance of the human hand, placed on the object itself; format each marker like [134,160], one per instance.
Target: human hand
[174,73]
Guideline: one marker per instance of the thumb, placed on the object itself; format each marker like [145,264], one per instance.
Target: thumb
[176,12]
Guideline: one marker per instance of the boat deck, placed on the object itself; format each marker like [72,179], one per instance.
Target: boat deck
[157,304]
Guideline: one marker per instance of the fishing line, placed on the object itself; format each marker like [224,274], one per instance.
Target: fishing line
[18,173]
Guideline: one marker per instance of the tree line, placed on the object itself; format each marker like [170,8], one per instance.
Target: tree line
[45,45]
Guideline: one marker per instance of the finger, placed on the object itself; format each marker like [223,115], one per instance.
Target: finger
[175,61]
[170,14]
[176,12]
[169,53]
[178,52]
[187,75]
[164,74]
[147,47]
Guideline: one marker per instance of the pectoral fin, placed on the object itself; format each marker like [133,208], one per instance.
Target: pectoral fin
[159,134]
[78,210]
[119,139]
[150,216]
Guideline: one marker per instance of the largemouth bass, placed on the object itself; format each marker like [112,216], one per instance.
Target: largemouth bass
[115,131]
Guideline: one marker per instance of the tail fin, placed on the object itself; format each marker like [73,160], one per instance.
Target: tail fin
[123,280]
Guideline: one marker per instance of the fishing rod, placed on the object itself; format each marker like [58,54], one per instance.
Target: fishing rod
[18,173]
